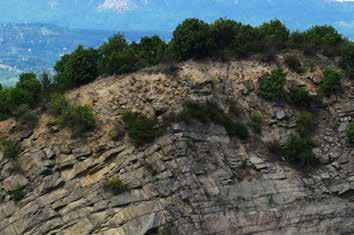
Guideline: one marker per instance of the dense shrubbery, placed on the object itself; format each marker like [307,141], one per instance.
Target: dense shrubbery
[272,85]
[348,60]
[115,185]
[299,96]
[331,82]
[78,118]
[298,151]
[10,149]
[256,122]
[293,63]
[304,124]
[350,132]
[210,112]
[140,129]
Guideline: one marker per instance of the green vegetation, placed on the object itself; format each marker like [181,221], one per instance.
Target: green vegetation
[256,122]
[348,60]
[299,96]
[272,85]
[17,194]
[140,129]
[77,68]
[331,82]
[293,63]
[10,149]
[304,124]
[115,185]
[25,117]
[210,112]
[78,118]
[350,132]
[298,151]
[191,39]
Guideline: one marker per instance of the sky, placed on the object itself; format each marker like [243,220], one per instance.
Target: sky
[164,15]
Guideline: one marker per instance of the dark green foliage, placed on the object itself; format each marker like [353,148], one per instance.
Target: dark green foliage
[274,34]
[247,41]
[17,194]
[10,149]
[191,39]
[210,112]
[29,83]
[140,129]
[47,83]
[117,57]
[223,32]
[304,124]
[298,151]
[350,132]
[324,39]
[293,63]
[115,185]
[299,96]
[272,85]
[348,59]
[26,117]
[77,68]
[78,118]
[331,82]
[151,50]
[256,122]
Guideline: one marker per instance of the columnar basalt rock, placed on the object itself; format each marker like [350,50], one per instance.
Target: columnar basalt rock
[194,178]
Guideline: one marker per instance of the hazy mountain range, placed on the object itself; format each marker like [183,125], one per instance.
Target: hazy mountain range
[25,45]
[36,47]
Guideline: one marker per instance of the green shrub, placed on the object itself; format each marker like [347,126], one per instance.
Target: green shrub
[348,59]
[10,149]
[293,63]
[256,122]
[140,129]
[331,82]
[151,50]
[17,194]
[304,124]
[274,34]
[192,38]
[77,68]
[272,85]
[350,132]
[25,116]
[298,151]
[78,118]
[234,128]
[210,112]
[115,185]
[299,96]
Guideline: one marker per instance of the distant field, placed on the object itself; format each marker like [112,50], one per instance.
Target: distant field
[36,47]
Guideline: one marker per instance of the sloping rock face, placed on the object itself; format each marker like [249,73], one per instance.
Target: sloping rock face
[194,179]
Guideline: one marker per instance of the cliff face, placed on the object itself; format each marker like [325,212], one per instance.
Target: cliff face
[194,179]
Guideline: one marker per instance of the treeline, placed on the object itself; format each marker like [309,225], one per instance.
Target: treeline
[193,38]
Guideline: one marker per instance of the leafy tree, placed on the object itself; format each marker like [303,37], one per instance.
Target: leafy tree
[298,151]
[29,83]
[274,34]
[151,50]
[191,39]
[272,85]
[246,41]
[324,38]
[77,68]
[224,31]
[117,57]
[348,59]
[330,83]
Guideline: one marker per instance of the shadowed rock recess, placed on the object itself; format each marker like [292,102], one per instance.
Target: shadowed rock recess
[194,178]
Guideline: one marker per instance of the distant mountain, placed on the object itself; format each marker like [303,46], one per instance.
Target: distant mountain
[36,47]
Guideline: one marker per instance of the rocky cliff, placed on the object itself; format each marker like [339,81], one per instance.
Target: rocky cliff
[194,179]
